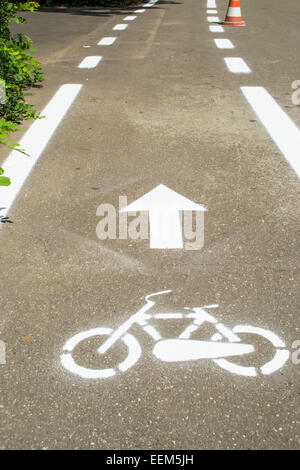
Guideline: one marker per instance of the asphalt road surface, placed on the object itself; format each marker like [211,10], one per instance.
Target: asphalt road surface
[161,107]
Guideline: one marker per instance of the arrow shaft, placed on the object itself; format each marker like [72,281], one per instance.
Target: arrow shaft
[165,229]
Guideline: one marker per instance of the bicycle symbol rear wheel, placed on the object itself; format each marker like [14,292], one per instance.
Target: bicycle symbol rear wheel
[68,362]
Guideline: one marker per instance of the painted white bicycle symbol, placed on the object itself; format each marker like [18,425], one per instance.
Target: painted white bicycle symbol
[225,343]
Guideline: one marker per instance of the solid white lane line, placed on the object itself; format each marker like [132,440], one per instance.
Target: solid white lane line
[211,12]
[140,11]
[108,41]
[224,44]
[211,4]
[216,29]
[120,27]
[279,125]
[90,62]
[237,65]
[213,19]
[129,18]
[34,141]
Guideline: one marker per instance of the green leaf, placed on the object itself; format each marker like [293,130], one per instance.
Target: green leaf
[4,181]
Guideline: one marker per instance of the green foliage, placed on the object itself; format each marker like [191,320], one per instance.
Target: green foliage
[8,13]
[6,127]
[4,181]
[87,3]
[18,71]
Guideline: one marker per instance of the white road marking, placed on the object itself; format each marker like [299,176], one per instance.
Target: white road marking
[168,316]
[152,332]
[76,339]
[140,315]
[255,330]
[164,205]
[120,27]
[129,18]
[165,229]
[150,4]
[280,358]
[188,331]
[134,352]
[67,361]
[279,125]
[237,65]
[216,337]
[140,11]
[90,62]
[34,141]
[227,333]
[108,41]
[235,368]
[213,19]
[224,344]
[211,12]
[211,4]
[178,350]
[224,44]
[216,29]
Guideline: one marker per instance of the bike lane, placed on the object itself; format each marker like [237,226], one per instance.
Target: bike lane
[159,109]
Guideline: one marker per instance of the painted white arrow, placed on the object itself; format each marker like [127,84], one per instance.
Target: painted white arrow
[164,205]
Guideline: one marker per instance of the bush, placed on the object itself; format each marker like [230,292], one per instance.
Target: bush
[18,71]
[87,3]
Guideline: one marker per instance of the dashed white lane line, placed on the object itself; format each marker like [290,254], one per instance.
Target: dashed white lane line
[107,41]
[278,124]
[211,4]
[236,65]
[211,12]
[224,44]
[120,27]
[129,18]
[34,141]
[90,62]
[213,19]
[216,29]
[38,135]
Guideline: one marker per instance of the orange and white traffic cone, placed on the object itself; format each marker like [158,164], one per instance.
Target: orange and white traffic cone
[234,14]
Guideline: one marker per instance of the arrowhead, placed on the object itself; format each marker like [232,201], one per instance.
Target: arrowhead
[162,197]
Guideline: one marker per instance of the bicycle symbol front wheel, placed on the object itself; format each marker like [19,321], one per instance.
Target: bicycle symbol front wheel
[279,359]
[68,362]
